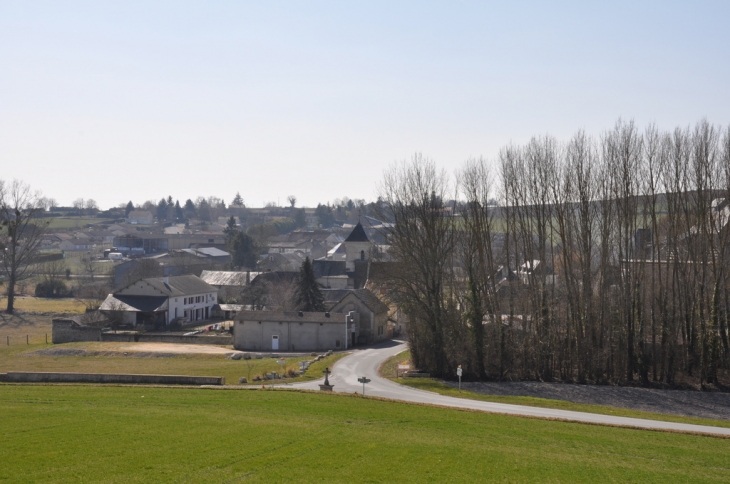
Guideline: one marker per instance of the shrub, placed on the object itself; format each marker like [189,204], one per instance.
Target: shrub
[55,288]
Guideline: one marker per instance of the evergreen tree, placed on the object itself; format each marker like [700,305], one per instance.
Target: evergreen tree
[300,217]
[178,211]
[162,210]
[230,230]
[189,208]
[324,216]
[308,297]
[243,250]
[237,200]
[128,209]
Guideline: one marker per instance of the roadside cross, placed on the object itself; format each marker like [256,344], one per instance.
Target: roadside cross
[326,376]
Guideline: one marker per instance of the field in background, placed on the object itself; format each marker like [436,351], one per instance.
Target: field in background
[66,223]
[43,305]
[128,435]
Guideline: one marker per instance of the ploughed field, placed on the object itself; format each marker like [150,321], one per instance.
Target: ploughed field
[75,433]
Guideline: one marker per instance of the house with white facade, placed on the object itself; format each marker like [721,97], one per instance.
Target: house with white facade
[140,217]
[76,244]
[161,301]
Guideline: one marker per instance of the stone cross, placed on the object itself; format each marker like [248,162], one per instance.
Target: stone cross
[326,376]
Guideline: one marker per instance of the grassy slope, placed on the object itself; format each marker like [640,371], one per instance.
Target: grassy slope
[127,435]
[388,370]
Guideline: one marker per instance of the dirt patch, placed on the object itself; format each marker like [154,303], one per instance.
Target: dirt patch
[715,405]
[179,349]
[135,350]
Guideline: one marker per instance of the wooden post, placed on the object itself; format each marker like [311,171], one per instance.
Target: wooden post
[8,340]
[27,340]
[46,338]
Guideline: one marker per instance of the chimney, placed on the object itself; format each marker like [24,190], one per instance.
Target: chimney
[166,280]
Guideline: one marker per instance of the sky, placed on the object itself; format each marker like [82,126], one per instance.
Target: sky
[117,101]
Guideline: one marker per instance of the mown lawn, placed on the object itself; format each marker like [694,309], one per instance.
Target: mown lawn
[137,434]
[388,370]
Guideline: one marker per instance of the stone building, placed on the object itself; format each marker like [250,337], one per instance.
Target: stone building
[315,331]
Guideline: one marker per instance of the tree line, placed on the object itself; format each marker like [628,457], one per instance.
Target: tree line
[599,259]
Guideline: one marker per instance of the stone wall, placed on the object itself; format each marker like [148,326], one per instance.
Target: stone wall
[168,338]
[54,377]
[66,330]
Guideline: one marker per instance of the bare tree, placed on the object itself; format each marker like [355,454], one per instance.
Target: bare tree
[292,200]
[422,240]
[20,209]
[477,254]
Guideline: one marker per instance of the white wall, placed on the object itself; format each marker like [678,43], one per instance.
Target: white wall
[208,301]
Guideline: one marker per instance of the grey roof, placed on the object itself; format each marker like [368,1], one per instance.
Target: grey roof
[228,278]
[358,234]
[333,296]
[207,252]
[370,300]
[290,317]
[175,286]
[365,295]
[327,268]
[144,304]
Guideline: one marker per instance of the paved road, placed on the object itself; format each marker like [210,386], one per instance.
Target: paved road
[365,362]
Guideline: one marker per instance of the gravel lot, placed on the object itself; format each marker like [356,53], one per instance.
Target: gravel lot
[714,405]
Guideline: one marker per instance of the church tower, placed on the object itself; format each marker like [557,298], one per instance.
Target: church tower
[357,247]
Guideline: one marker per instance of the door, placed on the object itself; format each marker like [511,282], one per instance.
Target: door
[275,342]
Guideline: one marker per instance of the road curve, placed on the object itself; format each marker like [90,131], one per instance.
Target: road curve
[365,362]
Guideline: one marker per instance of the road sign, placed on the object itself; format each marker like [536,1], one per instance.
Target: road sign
[458,373]
[363,380]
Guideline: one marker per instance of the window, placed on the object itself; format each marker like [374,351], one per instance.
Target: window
[362,255]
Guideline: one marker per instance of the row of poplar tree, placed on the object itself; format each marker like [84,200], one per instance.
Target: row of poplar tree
[599,259]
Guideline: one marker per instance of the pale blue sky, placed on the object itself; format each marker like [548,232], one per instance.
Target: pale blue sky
[138,100]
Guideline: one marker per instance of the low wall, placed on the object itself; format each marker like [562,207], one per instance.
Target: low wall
[167,338]
[67,330]
[54,377]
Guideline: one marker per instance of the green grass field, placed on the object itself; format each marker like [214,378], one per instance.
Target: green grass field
[136,434]
[388,370]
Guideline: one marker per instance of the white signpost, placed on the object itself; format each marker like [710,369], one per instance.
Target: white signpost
[349,318]
[363,380]
[458,372]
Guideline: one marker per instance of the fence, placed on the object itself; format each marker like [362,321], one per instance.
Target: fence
[25,339]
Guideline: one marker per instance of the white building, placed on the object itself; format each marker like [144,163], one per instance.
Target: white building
[160,301]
